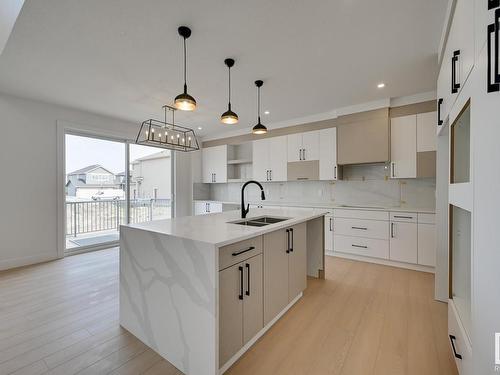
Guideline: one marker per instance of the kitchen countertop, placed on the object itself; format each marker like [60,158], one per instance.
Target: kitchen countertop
[329,206]
[217,230]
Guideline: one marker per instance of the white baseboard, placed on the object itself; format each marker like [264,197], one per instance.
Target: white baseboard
[27,260]
[247,346]
[385,262]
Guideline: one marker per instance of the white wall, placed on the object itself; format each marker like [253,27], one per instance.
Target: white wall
[28,185]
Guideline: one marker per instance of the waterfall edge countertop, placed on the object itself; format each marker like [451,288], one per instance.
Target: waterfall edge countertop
[217,229]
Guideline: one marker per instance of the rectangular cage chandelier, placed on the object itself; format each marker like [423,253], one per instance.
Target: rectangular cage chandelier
[167,135]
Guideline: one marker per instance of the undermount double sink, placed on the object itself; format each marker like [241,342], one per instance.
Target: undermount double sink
[259,221]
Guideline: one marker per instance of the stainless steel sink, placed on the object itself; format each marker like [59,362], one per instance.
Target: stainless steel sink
[259,221]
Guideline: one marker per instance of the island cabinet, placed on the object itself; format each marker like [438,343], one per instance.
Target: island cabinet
[285,268]
[240,306]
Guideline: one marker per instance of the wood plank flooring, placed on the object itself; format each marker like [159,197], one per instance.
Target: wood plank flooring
[61,318]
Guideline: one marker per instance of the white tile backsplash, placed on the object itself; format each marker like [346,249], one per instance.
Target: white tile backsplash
[361,185]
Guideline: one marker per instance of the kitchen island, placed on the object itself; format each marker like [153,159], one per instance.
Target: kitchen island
[200,290]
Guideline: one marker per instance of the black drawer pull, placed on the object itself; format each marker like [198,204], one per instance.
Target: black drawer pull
[360,228]
[452,340]
[248,279]
[288,241]
[440,102]
[240,269]
[362,247]
[236,253]
[403,217]
[302,178]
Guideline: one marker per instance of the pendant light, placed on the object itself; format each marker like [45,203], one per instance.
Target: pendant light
[184,101]
[229,117]
[259,128]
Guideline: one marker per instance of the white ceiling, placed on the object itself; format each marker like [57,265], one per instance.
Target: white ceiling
[123,58]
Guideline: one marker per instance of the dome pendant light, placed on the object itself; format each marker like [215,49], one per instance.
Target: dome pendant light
[184,101]
[259,128]
[229,117]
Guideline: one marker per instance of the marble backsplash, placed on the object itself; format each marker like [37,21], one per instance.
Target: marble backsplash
[367,185]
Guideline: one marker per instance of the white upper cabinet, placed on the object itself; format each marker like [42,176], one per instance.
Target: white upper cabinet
[269,159]
[426,131]
[484,15]
[214,164]
[404,147]
[328,169]
[303,146]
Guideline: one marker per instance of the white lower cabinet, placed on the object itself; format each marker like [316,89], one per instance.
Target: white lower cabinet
[403,242]
[328,233]
[368,247]
[427,244]
[460,345]
[206,207]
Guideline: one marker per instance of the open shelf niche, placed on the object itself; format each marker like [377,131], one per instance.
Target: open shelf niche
[239,162]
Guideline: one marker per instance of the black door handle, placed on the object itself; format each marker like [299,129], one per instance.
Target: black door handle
[236,253]
[492,4]
[240,269]
[248,279]
[454,85]
[492,86]
[291,245]
[288,241]
[452,340]
[440,102]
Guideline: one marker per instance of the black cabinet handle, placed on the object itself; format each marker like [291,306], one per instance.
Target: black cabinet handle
[303,154]
[334,172]
[291,245]
[492,4]
[248,279]
[392,230]
[240,270]
[440,102]
[288,241]
[359,228]
[362,247]
[497,44]
[454,85]
[403,217]
[236,253]
[330,224]
[452,340]
[494,83]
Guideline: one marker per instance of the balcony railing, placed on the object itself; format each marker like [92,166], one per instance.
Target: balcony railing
[95,216]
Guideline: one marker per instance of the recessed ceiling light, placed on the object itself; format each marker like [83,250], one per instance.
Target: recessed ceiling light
[199,128]
[381,85]
[266,112]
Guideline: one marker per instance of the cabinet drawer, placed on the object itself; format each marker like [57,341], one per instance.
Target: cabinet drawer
[361,246]
[457,335]
[239,251]
[426,218]
[407,217]
[361,214]
[362,228]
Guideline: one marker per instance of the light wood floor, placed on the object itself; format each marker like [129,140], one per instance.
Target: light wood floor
[62,318]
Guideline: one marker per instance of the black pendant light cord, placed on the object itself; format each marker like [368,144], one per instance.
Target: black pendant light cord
[258,102]
[229,87]
[185,58]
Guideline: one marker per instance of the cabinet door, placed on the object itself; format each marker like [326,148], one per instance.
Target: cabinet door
[219,163]
[403,244]
[214,207]
[443,88]
[253,301]
[294,148]
[328,154]
[278,158]
[260,159]
[200,208]
[463,30]
[329,233]
[230,312]
[275,274]
[297,264]
[426,131]
[207,165]
[310,145]
[427,244]
[404,147]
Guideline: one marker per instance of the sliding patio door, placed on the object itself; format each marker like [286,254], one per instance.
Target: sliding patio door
[109,183]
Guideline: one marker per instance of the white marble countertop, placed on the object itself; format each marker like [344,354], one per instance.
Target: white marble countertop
[217,230]
[330,206]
